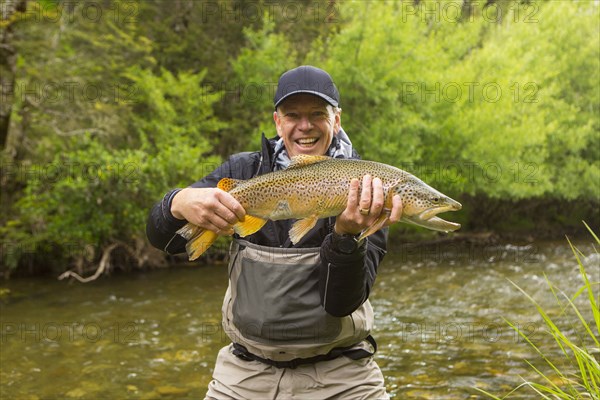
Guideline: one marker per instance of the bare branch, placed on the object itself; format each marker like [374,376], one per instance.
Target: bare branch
[104,265]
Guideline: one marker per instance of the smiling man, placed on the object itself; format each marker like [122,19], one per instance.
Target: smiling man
[298,316]
[306,124]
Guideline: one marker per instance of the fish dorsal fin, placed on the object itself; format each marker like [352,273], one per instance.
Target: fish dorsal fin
[227,184]
[304,159]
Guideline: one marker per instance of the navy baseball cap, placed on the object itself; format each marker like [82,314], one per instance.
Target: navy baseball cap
[307,79]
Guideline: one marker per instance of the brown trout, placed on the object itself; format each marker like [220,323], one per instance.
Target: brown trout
[314,187]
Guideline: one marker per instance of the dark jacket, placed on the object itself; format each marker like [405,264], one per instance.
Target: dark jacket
[345,280]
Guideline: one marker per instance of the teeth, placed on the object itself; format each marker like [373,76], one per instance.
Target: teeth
[307,140]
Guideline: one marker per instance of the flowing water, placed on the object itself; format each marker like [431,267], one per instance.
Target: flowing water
[440,325]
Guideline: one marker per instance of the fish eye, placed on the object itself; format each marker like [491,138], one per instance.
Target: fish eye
[435,200]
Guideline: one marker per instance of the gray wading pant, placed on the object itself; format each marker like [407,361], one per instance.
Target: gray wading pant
[273,308]
[340,378]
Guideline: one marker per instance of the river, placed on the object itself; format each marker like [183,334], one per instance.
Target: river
[440,325]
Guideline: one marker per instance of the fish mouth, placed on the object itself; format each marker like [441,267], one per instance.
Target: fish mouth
[449,205]
[429,219]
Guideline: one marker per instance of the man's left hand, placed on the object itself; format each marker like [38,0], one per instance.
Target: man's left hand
[365,206]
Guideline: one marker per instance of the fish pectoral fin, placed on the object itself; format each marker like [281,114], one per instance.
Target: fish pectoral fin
[227,184]
[377,225]
[199,243]
[305,159]
[249,225]
[301,228]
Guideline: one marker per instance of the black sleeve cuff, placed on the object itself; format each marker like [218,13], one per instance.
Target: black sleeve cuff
[171,221]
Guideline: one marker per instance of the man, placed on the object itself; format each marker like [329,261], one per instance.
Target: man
[298,315]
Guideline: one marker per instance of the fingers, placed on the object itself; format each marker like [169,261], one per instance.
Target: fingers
[396,212]
[228,208]
[378,199]
[227,211]
[365,204]
[236,211]
[353,195]
[219,224]
[372,197]
[209,208]
[365,196]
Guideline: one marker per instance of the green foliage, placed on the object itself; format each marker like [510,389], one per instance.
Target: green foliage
[578,343]
[257,68]
[95,195]
[507,109]
[495,101]
[70,75]
[384,61]
[521,130]
[170,109]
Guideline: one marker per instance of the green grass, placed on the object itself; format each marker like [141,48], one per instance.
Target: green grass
[577,374]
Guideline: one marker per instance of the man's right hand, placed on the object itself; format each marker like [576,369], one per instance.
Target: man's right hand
[209,208]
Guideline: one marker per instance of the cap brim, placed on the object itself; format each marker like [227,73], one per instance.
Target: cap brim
[318,94]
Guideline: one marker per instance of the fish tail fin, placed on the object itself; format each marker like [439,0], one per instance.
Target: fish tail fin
[198,245]
[227,184]
[199,240]
[249,225]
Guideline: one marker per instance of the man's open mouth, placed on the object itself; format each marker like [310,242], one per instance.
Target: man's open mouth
[307,142]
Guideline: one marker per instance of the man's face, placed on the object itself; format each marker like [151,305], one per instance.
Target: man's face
[307,124]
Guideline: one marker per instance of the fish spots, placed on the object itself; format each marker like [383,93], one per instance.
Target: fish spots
[322,187]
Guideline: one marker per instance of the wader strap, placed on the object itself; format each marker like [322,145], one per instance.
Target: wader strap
[355,354]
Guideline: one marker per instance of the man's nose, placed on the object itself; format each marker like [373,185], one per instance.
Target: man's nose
[305,123]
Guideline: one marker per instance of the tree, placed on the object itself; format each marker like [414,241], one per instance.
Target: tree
[10,13]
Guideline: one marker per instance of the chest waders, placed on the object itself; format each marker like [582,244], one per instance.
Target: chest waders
[272,309]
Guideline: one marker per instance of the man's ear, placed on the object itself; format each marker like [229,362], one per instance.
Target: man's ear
[337,123]
[277,123]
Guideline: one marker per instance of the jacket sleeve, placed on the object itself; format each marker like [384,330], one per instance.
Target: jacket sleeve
[346,279]
[162,226]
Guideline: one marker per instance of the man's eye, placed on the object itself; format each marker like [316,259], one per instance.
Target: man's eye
[291,115]
[318,114]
